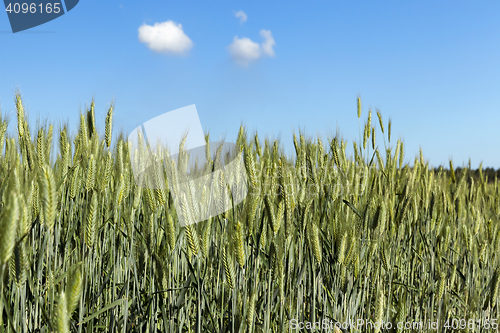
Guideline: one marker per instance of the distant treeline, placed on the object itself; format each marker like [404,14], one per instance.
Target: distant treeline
[489,174]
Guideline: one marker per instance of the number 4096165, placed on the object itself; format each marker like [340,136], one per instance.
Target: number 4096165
[33,8]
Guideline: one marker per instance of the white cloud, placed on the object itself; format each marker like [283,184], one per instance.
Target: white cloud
[269,43]
[245,51]
[242,16]
[165,37]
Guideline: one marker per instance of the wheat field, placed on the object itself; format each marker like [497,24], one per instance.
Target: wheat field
[322,236]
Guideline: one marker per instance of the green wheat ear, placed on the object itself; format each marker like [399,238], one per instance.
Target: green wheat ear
[109,124]
[373,138]
[250,167]
[89,184]
[170,231]
[442,285]
[8,224]
[49,196]
[239,239]
[107,171]
[193,240]
[62,318]
[206,240]
[401,315]
[379,311]
[342,249]
[314,240]
[91,227]
[389,134]
[401,155]
[74,290]
[452,172]
[227,260]
[381,123]
[48,143]
[21,124]
[40,148]
[251,311]
[495,287]
[359,107]
[91,119]
[3,129]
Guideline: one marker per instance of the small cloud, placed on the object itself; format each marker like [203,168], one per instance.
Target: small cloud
[165,37]
[245,51]
[242,16]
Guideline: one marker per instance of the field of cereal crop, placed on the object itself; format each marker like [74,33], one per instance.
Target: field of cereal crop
[322,236]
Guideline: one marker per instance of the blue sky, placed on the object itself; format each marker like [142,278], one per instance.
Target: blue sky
[431,66]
